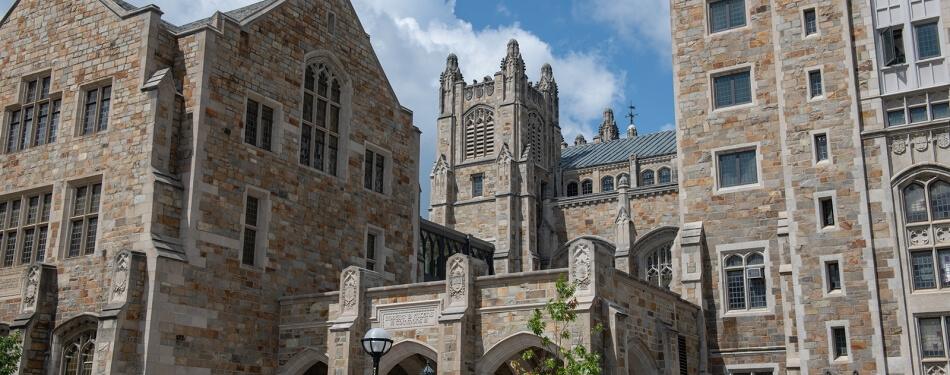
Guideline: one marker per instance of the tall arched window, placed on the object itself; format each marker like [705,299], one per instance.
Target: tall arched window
[78,353]
[587,187]
[646,178]
[927,232]
[323,105]
[659,266]
[607,184]
[572,189]
[479,133]
[664,176]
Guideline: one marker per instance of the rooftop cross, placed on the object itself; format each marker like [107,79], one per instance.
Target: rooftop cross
[631,115]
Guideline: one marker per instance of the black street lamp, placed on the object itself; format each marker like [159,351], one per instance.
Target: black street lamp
[427,370]
[377,343]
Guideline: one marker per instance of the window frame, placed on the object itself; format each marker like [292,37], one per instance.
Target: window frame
[276,121]
[729,150]
[832,328]
[935,252]
[647,178]
[904,104]
[87,216]
[261,229]
[478,185]
[336,168]
[587,187]
[822,200]
[745,249]
[917,40]
[379,187]
[575,185]
[806,33]
[83,99]
[826,276]
[660,176]
[711,29]
[893,52]
[607,184]
[816,152]
[43,95]
[815,92]
[731,72]
[379,247]
[40,228]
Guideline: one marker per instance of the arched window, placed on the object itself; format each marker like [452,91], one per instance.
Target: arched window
[78,353]
[926,210]
[659,266]
[665,176]
[323,119]
[535,130]
[745,281]
[572,189]
[587,187]
[607,184]
[479,133]
[646,178]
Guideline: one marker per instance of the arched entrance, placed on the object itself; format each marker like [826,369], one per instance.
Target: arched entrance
[639,360]
[501,357]
[310,361]
[408,357]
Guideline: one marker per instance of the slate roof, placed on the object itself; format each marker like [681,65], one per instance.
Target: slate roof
[239,14]
[647,145]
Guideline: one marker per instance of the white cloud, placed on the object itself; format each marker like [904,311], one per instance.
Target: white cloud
[667,126]
[646,23]
[502,10]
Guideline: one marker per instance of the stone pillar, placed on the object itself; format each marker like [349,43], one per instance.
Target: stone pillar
[526,223]
[590,267]
[634,171]
[120,335]
[457,334]
[35,321]
[786,279]
[505,234]
[346,350]
[692,247]
[442,193]
[626,233]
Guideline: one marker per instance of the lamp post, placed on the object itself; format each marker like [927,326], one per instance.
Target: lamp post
[376,343]
[427,370]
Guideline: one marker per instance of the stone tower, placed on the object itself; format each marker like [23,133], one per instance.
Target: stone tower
[498,147]
[608,128]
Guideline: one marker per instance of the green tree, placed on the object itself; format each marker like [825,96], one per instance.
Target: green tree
[10,349]
[560,358]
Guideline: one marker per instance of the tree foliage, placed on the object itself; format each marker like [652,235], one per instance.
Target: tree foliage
[560,357]
[11,348]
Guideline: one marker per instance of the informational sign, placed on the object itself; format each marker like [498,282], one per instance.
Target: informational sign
[408,317]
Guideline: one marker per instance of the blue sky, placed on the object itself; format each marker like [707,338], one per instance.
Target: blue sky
[605,53]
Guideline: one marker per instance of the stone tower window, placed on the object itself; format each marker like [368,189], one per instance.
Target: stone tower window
[665,175]
[96,109]
[479,133]
[535,130]
[745,281]
[36,121]
[646,178]
[84,220]
[323,123]
[24,228]
[259,125]
[587,187]
[607,183]
[926,210]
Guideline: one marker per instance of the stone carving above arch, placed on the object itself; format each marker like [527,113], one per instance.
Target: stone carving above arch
[559,259]
[120,275]
[348,293]
[582,266]
[31,288]
[504,156]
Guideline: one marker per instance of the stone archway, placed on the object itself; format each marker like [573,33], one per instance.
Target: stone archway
[639,360]
[310,361]
[410,355]
[496,359]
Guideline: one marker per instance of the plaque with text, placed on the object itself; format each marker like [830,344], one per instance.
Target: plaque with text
[408,317]
[10,283]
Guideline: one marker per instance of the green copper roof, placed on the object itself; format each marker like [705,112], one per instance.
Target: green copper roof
[644,146]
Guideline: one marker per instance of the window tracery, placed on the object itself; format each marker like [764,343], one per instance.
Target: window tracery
[479,133]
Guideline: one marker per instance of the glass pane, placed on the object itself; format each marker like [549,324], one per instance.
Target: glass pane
[941,110]
[607,183]
[318,149]
[331,155]
[931,337]
[251,211]
[305,145]
[41,244]
[718,16]
[308,78]
[647,178]
[250,242]
[747,169]
[39,137]
[104,108]
[250,123]
[79,206]
[914,206]
[757,293]
[827,212]
[587,186]
[96,197]
[811,24]
[267,127]
[734,261]
[3,215]
[743,92]
[841,342]
[736,286]
[321,117]
[943,261]
[27,128]
[15,214]
[89,116]
[821,147]
[44,92]
[940,200]
[724,94]
[14,131]
[75,238]
[10,250]
[923,265]
[572,189]
[918,114]
[477,186]
[334,119]
[755,259]
[895,117]
[54,122]
[928,44]
[814,81]
[380,167]
[665,176]
[308,107]
[322,84]
[834,276]
[728,170]
[26,256]
[32,209]
[71,360]
[736,13]
[31,92]
[91,226]
[335,92]
[371,246]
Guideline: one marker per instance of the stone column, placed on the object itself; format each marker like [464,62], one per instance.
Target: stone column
[626,233]
[786,279]
[346,350]
[129,277]
[590,267]
[457,334]
[442,194]
[692,247]
[35,321]
[505,233]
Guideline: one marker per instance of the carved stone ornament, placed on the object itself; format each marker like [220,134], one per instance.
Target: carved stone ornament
[919,237]
[527,152]
[120,277]
[582,266]
[942,234]
[921,142]
[349,292]
[504,156]
[468,94]
[441,167]
[622,216]
[898,145]
[935,369]
[457,281]
[490,89]
[943,140]
[624,181]
[32,286]
[479,92]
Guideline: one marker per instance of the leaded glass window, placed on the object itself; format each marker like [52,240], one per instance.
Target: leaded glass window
[646,178]
[84,219]
[745,281]
[737,168]
[928,43]
[732,89]
[572,189]
[607,184]
[664,176]
[322,118]
[24,228]
[659,266]
[587,187]
[36,121]
[726,14]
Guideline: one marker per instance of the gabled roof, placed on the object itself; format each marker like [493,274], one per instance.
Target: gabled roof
[644,146]
[240,15]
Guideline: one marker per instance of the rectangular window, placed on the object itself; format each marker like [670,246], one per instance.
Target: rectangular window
[892,46]
[737,168]
[821,147]
[732,89]
[726,14]
[840,342]
[36,122]
[23,232]
[811,22]
[923,268]
[834,276]
[928,43]
[251,216]
[931,337]
[814,83]
[96,113]
[745,281]
[371,251]
[896,117]
[941,110]
[84,220]
[918,114]
[374,167]
[477,186]
[259,125]
[827,212]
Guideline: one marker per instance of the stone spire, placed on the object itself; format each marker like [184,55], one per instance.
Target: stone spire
[513,63]
[579,140]
[608,129]
[631,131]
[452,72]
[546,83]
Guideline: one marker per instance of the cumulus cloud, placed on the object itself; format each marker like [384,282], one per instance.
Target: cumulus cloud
[502,10]
[645,23]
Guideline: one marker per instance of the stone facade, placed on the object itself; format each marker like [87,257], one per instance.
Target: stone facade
[179,275]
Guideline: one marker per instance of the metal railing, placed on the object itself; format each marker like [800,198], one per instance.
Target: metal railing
[438,243]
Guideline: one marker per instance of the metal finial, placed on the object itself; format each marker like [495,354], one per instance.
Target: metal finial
[631,115]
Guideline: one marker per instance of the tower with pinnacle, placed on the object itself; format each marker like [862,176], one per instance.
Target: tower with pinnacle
[498,148]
